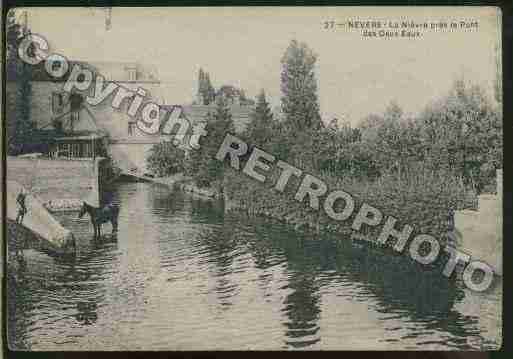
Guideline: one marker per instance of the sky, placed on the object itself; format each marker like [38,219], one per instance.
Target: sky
[243,47]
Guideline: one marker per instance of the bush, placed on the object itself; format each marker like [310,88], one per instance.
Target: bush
[165,159]
[422,198]
[201,163]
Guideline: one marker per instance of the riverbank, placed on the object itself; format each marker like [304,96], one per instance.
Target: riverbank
[222,272]
[186,184]
[418,203]
[422,201]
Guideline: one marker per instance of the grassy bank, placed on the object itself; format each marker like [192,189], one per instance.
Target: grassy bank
[422,199]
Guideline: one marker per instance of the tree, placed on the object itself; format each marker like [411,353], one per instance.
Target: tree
[228,92]
[205,88]
[392,140]
[202,164]
[337,152]
[259,131]
[231,93]
[464,132]
[165,159]
[201,82]
[210,92]
[299,88]
[20,129]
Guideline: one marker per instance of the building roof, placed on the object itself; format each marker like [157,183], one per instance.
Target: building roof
[198,113]
[118,71]
[112,71]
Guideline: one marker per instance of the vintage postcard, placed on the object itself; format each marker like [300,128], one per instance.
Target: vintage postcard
[253,178]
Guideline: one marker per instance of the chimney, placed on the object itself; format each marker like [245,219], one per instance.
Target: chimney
[131,72]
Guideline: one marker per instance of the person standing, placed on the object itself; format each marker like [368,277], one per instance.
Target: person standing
[22,208]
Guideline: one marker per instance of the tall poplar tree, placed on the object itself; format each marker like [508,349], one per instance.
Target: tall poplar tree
[201,86]
[209,94]
[205,88]
[299,88]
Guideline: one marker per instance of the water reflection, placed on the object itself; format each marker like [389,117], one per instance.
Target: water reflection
[181,274]
[49,283]
[400,290]
[87,312]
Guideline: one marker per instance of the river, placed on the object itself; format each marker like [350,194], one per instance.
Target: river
[181,275]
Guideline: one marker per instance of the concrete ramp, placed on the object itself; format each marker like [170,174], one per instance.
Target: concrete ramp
[480,231]
[54,236]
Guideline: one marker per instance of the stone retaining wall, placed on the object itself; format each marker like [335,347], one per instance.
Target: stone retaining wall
[38,220]
[60,184]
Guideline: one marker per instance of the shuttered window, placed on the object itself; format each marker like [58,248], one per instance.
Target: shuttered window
[57,102]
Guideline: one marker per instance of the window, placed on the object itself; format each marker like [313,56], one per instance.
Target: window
[56,65]
[132,74]
[74,117]
[131,127]
[57,102]
[76,101]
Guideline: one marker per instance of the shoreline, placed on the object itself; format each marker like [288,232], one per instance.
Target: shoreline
[185,183]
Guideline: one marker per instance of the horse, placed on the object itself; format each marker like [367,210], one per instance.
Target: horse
[108,213]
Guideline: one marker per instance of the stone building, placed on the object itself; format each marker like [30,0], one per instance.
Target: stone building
[78,129]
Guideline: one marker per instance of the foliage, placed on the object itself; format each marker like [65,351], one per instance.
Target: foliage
[391,140]
[231,94]
[417,169]
[463,132]
[208,94]
[202,165]
[165,159]
[423,198]
[299,88]
[259,131]
[205,88]
[20,130]
[341,151]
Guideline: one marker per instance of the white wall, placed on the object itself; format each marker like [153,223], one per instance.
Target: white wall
[135,152]
[481,230]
